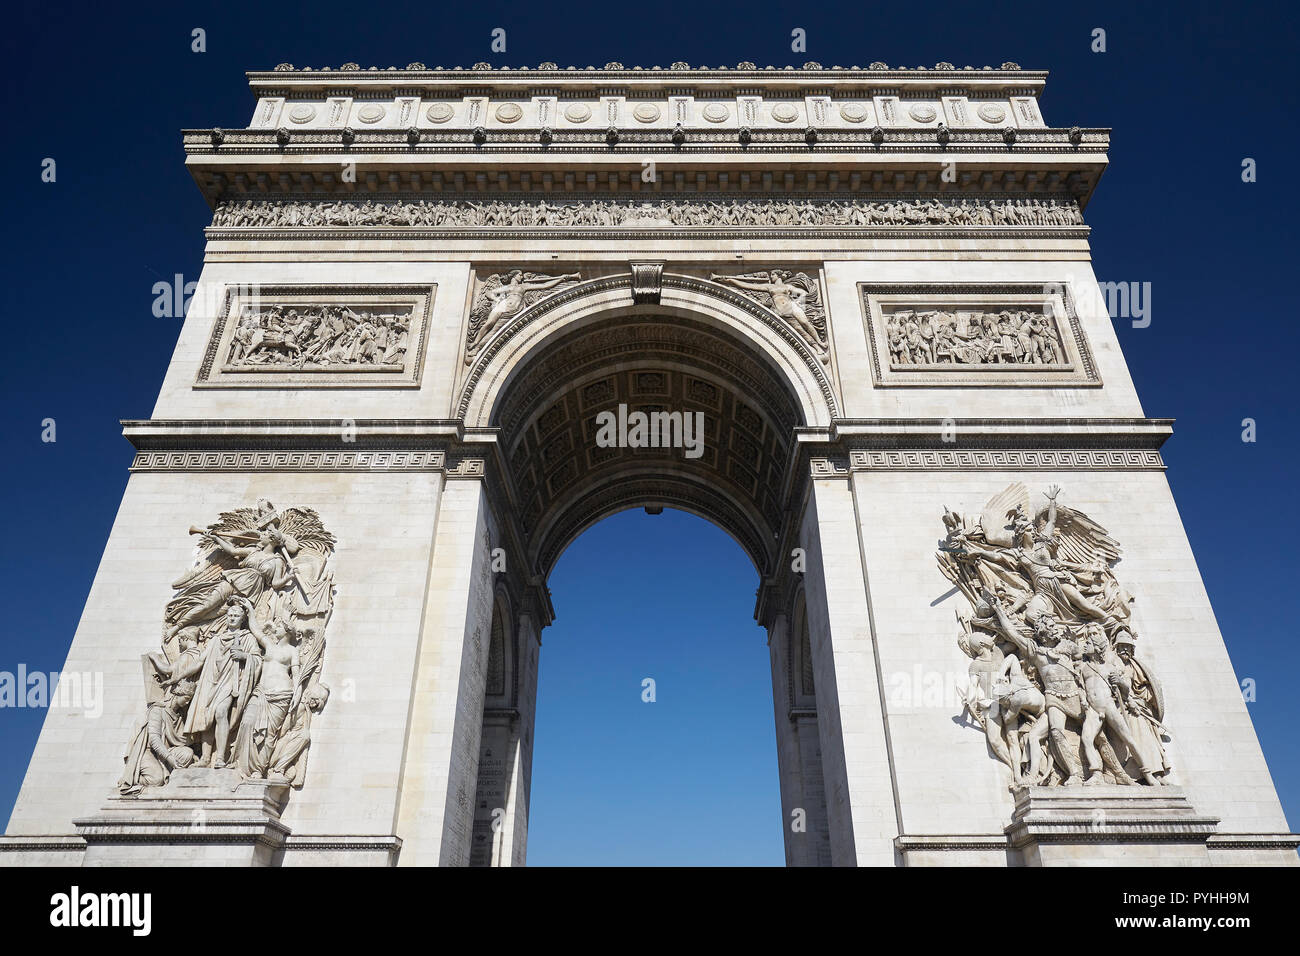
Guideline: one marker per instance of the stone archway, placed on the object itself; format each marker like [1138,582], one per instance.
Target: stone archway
[538,387]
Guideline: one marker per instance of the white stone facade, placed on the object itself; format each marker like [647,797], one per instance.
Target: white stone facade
[454,475]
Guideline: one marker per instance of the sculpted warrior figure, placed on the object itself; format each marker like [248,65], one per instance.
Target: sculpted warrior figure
[1145,705]
[1041,583]
[1052,581]
[1051,655]
[1101,678]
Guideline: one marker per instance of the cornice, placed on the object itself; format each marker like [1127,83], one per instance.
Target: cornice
[683,79]
[842,436]
[989,144]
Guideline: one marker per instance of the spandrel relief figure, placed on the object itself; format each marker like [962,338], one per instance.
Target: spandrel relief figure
[501,297]
[237,677]
[1054,681]
[794,296]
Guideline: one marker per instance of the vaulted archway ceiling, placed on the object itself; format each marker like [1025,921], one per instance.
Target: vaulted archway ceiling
[652,363]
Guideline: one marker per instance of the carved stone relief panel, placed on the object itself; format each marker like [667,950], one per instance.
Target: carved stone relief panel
[723,211]
[279,336]
[500,297]
[794,296]
[236,678]
[1057,681]
[975,335]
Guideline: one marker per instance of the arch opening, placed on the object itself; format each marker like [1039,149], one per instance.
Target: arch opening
[654,693]
[555,414]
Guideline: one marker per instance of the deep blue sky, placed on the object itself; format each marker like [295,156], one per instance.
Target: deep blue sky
[1189,91]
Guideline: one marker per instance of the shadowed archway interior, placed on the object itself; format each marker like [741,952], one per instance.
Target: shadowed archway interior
[566,482]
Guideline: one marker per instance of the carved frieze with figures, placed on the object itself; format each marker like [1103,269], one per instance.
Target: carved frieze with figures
[931,335]
[279,336]
[810,211]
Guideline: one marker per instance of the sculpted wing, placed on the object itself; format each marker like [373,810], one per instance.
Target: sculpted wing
[481,306]
[193,587]
[305,526]
[1082,540]
[813,302]
[994,518]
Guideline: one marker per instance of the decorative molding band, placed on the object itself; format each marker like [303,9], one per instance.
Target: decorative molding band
[466,467]
[833,467]
[1197,830]
[309,842]
[358,460]
[951,841]
[43,843]
[547,141]
[643,233]
[1254,841]
[1003,459]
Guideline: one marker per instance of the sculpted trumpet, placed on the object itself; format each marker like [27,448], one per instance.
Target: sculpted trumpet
[195,529]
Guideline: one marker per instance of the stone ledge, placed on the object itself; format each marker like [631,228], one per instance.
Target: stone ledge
[1151,825]
[201,816]
[951,841]
[1263,841]
[42,843]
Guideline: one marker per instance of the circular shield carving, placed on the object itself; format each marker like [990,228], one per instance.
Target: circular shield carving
[646,113]
[577,112]
[716,112]
[438,113]
[371,113]
[784,113]
[509,112]
[922,113]
[992,114]
[853,112]
[302,114]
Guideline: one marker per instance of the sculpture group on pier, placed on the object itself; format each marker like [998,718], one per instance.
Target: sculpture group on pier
[236,680]
[1056,681]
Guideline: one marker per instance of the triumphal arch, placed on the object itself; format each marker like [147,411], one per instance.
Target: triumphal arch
[450,318]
